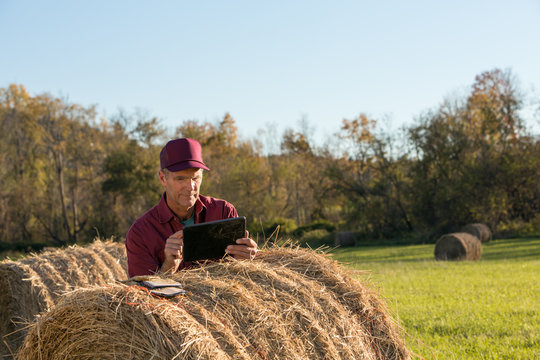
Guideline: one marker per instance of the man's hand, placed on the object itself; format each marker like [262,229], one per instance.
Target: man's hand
[246,248]
[173,252]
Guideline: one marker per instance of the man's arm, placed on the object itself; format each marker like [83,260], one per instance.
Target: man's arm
[140,258]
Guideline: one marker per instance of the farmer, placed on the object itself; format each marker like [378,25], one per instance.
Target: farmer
[154,241]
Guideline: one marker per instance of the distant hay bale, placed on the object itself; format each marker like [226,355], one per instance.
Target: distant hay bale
[481,231]
[286,304]
[32,285]
[344,238]
[458,246]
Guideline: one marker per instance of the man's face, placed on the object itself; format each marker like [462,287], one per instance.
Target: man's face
[182,188]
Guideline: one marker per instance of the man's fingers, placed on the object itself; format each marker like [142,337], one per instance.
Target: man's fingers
[174,245]
[241,252]
[177,235]
[246,249]
[247,242]
[175,251]
[174,242]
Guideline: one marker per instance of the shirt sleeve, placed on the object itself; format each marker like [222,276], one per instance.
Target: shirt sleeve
[139,256]
[229,211]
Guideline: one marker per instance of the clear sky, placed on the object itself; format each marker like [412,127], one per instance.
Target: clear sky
[271,62]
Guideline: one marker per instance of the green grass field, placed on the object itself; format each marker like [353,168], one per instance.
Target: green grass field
[487,309]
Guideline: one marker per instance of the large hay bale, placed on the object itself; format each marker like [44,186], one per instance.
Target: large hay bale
[286,304]
[23,295]
[32,285]
[344,238]
[114,255]
[458,246]
[481,231]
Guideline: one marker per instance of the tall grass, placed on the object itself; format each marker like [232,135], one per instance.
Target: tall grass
[487,309]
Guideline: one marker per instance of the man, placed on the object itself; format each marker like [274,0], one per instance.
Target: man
[154,241]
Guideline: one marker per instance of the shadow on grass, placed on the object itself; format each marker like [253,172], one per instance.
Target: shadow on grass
[522,248]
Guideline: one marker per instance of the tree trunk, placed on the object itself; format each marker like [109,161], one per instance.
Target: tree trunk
[60,172]
[74,207]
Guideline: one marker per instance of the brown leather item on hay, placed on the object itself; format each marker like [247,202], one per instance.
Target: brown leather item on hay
[458,246]
[32,285]
[481,231]
[288,303]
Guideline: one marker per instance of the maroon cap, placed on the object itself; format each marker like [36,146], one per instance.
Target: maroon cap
[182,154]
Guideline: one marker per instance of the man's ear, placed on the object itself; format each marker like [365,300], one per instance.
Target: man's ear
[162,178]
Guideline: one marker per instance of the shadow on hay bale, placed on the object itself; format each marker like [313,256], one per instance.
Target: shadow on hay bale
[32,285]
[344,238]
[286,304]
[458,246]
[481,231]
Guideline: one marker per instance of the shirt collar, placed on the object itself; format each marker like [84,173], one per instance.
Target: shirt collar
[165,214]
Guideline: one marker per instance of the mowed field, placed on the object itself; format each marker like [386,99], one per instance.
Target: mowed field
[487,309]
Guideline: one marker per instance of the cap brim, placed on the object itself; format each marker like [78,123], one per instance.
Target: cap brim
[187,165]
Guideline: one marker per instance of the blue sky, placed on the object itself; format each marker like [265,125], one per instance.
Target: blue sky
[267,62]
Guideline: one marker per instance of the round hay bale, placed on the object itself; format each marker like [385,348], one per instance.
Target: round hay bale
[275,307]
[23,296]
[32,285]
[458,246]
[344,238]
[114,255]
[481,231]
[359,299]
[116,322]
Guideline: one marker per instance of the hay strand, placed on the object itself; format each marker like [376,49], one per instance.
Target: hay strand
[458,246]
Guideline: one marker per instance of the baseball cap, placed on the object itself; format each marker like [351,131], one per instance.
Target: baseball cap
[180,154]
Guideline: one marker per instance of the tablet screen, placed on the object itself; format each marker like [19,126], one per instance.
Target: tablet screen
[208,240]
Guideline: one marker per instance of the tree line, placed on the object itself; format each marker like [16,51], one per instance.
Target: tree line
[68,175]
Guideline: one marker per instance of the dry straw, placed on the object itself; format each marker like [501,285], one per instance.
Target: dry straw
[289,303]
[458,246]
[481,231]
[32,285]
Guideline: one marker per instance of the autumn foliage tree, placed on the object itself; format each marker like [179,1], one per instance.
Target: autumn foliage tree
[67,175]
[62,171]
[474,160]
[50,151]
[373,179]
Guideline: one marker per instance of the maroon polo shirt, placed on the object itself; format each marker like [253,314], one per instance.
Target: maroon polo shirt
[145,240]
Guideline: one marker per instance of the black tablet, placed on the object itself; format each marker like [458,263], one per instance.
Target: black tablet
[208,240]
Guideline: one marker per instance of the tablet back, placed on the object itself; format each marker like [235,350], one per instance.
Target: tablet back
[209,240]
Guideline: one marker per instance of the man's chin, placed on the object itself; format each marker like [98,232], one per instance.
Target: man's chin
[187,202]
